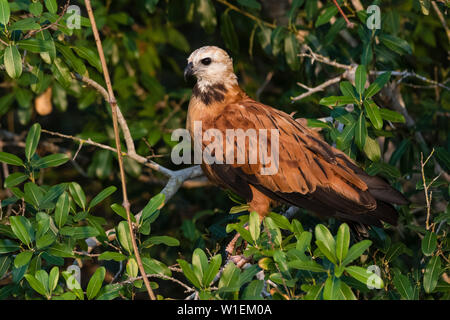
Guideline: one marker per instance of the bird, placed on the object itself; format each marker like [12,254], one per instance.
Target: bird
[311,174]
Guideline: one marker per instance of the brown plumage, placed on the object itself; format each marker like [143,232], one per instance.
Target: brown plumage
[311,173]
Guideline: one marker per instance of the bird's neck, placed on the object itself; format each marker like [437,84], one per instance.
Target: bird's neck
[222,91]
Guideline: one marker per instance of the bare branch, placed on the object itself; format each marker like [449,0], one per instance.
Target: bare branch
[316,89]
[113,104]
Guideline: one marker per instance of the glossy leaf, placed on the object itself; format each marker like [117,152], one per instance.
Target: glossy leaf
[10,159]
[432,273]
[95,283]
[33,136]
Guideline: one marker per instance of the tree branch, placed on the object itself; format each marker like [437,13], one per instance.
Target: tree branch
[113,104]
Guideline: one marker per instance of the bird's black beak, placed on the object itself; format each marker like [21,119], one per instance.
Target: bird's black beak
[188,71]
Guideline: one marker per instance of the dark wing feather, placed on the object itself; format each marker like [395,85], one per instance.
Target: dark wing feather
[311,173]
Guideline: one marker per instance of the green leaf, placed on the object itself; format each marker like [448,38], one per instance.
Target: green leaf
[51,6]
[314,292]
[12,61]
[336,101]
[254,225]
[117,208]
[35,45]
[213,268]
[429,243]
[23,258]
[372,149]
[304,241]
[253,290]
[25,25]
[79,232]
[228,33]
[281,221]
[365,276]
[329,13]
[229,281]
[102,196]
[32,141]
[132,268]
[432,273]
[403,286]
[109,255]
[390,115]
[95,283]
[35,8]
[10,159]
[53,279]
[50,198]
[291,52]
[5,262]
[326,242]
[360,80]
[348,90]
[35,284]
[45,240]
[33,194]
[342,242]
[123,233]
[42,277]
[356,251]
[189,273]
[53,160]
[361,132]
[377,85]
[306,265]
[5,12]
[199,263]
[347,292]
[71,59]
[347,134]
[443,157]
[7,246]
[150,210]
[62,210]
[20,226]
[373,112]
[61,72]
[396,44]
[61,250]
[77,194]
[168,241]
[90,56]
[155,266]
[331,289]
[15,179]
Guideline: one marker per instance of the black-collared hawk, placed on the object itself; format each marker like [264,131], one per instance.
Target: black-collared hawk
[311,174]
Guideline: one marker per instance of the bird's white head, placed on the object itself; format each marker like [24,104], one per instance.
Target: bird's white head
[211,66]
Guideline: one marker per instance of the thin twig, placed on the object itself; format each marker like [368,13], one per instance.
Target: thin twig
[248,15]
[33,32]
[160,276]
[350,25]
[316,89]
[113,104]
[441,18]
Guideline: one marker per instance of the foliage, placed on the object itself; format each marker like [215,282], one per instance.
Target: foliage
[59,206]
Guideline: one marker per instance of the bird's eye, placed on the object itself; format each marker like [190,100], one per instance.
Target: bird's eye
[206,61]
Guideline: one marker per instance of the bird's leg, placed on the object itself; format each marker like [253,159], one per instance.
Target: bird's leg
[260,203]
[238,260]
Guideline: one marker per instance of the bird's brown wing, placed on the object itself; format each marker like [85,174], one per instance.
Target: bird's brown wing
[311,174]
